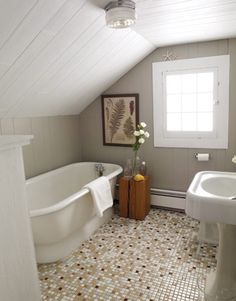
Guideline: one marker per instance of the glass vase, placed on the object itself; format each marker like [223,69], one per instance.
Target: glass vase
[128,169]
[136,165]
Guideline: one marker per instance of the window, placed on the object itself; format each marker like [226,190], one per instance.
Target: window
[190,101]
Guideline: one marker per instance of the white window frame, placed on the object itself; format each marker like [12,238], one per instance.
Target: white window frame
[218,138]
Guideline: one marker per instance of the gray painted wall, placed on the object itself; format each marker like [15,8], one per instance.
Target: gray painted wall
[170,168]
[56,141]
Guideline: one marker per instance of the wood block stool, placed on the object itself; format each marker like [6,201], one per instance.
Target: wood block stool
[134,198]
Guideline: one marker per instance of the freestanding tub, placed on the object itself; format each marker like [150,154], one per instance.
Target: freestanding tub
[61,210]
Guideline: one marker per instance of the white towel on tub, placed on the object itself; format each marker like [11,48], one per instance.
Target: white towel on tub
[101,194]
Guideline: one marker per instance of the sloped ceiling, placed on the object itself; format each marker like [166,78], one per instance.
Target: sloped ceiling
[57,56]
[169,22]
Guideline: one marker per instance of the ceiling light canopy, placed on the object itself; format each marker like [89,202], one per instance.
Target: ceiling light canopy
[120,13]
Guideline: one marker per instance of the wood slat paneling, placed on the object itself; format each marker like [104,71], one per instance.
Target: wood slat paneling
[173,22]
[57,56]
[28,29]
[170,168]
[56,141]
[12,12]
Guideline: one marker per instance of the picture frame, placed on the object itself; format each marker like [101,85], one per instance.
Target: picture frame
[120,116]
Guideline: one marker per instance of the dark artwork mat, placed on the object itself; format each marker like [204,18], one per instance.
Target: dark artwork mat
[120,118]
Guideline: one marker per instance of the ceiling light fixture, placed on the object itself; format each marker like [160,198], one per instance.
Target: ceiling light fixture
[120,13]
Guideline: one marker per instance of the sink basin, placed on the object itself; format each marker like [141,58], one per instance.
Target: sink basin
[211,197]
[220,186]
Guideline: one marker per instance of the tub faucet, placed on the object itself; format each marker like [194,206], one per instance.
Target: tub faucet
[99,169]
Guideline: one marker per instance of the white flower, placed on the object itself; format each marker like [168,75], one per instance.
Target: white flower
[234,159]
[141,132]
[146,134]
[143,124]
[141,140]
[136,133]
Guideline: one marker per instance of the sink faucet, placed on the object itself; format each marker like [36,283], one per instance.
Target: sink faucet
[99,169]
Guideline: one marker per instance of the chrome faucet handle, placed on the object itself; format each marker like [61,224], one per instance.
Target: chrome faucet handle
[99,167]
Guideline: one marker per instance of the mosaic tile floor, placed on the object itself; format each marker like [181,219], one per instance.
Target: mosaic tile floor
[156,259]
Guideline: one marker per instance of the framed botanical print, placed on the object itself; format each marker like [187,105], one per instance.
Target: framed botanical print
[120,118]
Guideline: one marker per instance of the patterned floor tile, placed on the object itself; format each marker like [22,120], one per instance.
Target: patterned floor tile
[155,259]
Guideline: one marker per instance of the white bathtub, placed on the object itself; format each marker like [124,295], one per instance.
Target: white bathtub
[61,211]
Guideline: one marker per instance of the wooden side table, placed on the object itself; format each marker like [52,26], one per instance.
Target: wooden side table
[134,198]
[124,196]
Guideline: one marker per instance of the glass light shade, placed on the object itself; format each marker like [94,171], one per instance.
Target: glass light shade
[120,17]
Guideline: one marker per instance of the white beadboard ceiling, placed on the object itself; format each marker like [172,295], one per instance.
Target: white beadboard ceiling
[56,56]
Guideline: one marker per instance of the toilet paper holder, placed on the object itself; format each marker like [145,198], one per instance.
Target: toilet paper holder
[196,155]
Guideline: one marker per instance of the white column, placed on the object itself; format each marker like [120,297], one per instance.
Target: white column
[18,270]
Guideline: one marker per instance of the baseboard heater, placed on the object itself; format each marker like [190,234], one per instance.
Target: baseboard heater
[169,199]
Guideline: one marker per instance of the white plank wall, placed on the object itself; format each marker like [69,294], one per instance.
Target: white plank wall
[47,56]
[56,141]
[168,22]
[18,271]
[57,56]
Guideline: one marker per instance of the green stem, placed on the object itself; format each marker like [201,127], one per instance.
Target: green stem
[135,161]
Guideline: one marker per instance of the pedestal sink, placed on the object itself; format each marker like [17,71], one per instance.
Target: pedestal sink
[211,197]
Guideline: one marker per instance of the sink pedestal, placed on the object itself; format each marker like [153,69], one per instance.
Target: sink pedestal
[211,198]
[221,284]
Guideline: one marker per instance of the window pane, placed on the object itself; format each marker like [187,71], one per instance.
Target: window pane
[205,122]
[173,122]
[205,82]
[174,103]
[189,103]
[173,84]
[205,102]
[189,83]
[189,122]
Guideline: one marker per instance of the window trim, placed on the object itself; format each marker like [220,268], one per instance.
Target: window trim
[216,139]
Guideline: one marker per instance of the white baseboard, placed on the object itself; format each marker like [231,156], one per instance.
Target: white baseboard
[168,202]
